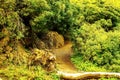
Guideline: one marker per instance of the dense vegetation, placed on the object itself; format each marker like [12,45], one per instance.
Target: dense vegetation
[92,25]
[97,38]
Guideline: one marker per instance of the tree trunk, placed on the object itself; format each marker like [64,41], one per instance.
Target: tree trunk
[87,75]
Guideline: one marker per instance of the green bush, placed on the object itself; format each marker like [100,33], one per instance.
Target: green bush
[98,46]
[96,35]
[45,15]
[10,19]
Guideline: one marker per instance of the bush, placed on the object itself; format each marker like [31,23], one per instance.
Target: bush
[96,35]
[98,46]
[45,15]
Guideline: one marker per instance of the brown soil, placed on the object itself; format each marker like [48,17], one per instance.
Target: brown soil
[63,60]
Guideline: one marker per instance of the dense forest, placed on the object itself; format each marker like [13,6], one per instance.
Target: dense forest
[32,32]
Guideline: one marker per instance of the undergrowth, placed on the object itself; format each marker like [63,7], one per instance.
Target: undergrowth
[87,66]
[15,72]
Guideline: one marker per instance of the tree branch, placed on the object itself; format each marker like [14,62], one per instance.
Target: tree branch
[88,75]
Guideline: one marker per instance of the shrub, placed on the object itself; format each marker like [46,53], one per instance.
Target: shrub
[96,35]
[98,46]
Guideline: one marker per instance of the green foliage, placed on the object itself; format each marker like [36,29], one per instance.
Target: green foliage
[10,19]
[97,35]
[39,24]
[108,79]
[36,14]
[93,25]
[60,15]
[44,15]
[55,76]
[98,46]
[86,65]
[64,13]
[2,18]
[13,72]
[98,11]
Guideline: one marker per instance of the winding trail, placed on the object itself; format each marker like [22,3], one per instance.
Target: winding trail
[63,60]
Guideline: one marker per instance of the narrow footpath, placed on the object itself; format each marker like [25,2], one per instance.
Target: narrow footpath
[63,60]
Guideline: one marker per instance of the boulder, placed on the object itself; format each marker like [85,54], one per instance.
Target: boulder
[53,40]
[44,58]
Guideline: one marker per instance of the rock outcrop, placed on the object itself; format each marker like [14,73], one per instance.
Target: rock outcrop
[44,58]
[43,54]
[53,40]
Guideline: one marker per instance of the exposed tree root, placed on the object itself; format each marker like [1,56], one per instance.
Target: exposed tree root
[87,75]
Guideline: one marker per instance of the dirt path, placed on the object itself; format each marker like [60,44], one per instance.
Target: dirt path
[63,58]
